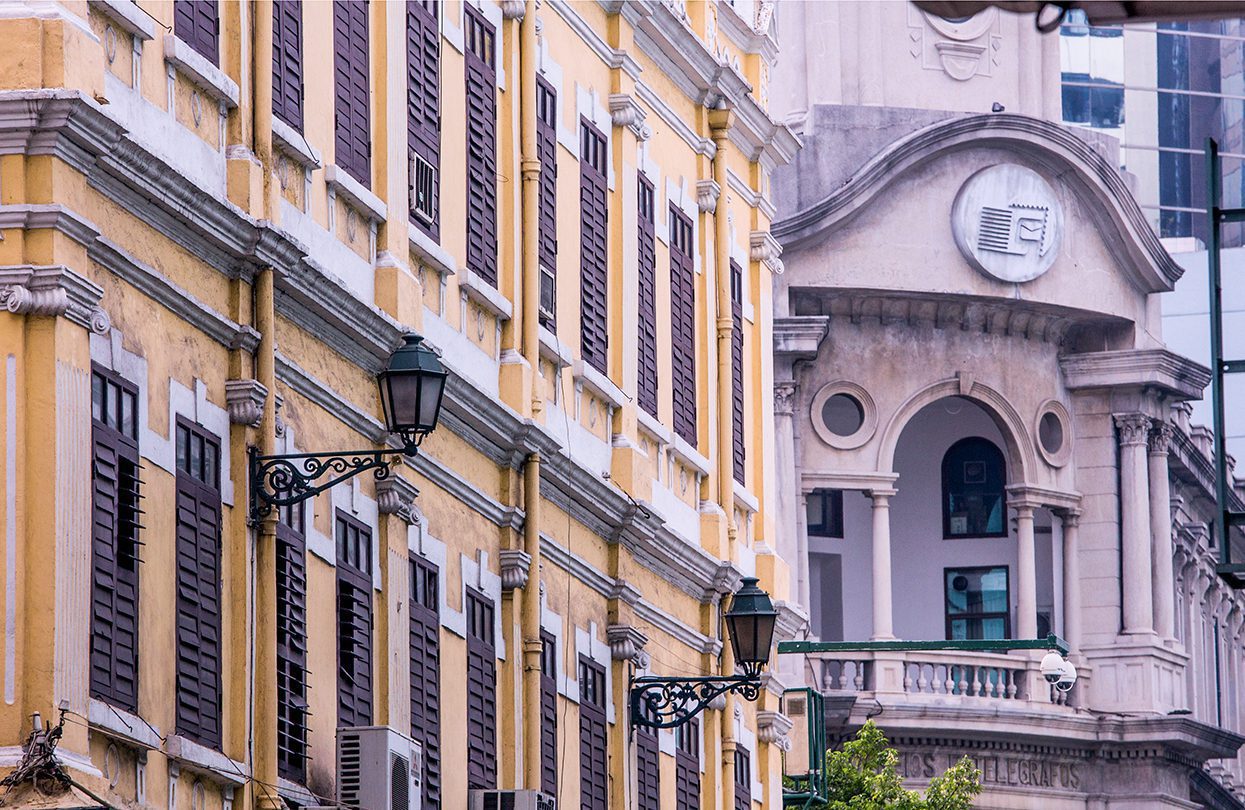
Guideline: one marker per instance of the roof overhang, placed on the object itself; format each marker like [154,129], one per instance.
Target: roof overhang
[1049,15]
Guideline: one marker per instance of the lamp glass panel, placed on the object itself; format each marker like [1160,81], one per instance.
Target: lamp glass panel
[404,388]
[386,401]
[430,400]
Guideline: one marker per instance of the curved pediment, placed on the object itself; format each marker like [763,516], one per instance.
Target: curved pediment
[1088,179]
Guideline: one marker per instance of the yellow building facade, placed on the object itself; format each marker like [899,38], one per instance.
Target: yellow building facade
[217,221]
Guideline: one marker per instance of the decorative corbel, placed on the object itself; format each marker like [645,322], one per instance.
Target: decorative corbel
[765,248]
[53,290]
[516,567]
[707,193]
[773,727]
[626,642]
[513,9]
[626,112]
[396,496]
[244,400]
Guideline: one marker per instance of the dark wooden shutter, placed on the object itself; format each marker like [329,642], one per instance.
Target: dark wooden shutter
[548,714]
[738,452]
[115,499]
[646,391]
[198,584]
[292,645]
[423,95]
[425,663]
[354,622]
[351,88]
[287,62]
[197,23]
[743,780]
[593,764]
[481,74]
[687,766]
[547,148]
[593,247]
[648,769]
[683,324]
[481,693]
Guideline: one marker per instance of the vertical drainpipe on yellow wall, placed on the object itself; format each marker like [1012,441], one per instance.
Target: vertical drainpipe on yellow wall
[530,169]
[264,688]
[720,120]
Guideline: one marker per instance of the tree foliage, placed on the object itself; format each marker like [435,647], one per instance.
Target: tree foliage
[863,775]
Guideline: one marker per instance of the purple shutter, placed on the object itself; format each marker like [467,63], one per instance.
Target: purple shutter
[646,392]
[425,666]
[593,248]
[287,62]
[547,148]
[743,780]
[197,23]
[683,324]
[423,95]
[198,550]
[548,714]
[481,146]
[737,372]
[292,646]
[352,125]
[593,762]
[648,769]
[481,693]
[687,766]
[354,622]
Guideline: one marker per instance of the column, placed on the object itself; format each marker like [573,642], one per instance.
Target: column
[789,546]
[1026,573]
[1163,577]
[1134,430]
[883,624]
[1071,520]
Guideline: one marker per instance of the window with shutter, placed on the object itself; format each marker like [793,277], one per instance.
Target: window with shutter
[480,68]
[287,62]
[354,622]
[352,118]
[646,391]
[423,113]
[425,663]
[593,241]
[737,372]
[115,506]
[593,775]
[198,550]
[291,644]
[547,147]
[197,23]
[683,324]
[687,766]
[648,769]
[481,693]
[743,780]
[548,714]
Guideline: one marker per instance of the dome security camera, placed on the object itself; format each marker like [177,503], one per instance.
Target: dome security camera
[1052,668]
[1067,677]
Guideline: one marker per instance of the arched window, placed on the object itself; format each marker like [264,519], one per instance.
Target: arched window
[973,494]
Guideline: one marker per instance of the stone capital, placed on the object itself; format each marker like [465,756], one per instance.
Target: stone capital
[1134,429]
[513,9]
[784,398]
[1070,517]
[516,567]
[396,496]
[1160,437]
[53,290]
[626,642]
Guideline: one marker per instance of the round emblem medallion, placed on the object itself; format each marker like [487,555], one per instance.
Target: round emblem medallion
[1008,222]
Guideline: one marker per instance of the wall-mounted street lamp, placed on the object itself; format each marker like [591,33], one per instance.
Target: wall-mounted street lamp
[659,702]
[411,387]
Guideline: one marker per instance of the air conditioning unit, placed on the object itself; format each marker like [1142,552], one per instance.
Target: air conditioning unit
[379,768]
[548,294]
[423,190]
[511,800]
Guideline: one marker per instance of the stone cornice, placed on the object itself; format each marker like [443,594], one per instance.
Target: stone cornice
[1151,268]
[798,337]
[744,34]
[1177,376]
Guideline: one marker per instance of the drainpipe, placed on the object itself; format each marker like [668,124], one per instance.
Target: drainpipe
[530,170]
[264,687]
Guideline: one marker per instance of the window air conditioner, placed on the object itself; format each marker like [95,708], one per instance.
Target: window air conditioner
[379,768]
[423,190]
[511,800]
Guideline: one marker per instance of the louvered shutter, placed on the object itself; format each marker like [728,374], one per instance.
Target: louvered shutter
[646,393]
[683,324]
[198,608]
[425,665]
[648,769]
[687,766]
[352,126]
[423,95]
[548,714]
[738,452]
[197,23]
[547,222]
[481,694]
[481,146]
[593,765]
[291,647]
[287,62]
[593,255]
[743,780]
[354,622]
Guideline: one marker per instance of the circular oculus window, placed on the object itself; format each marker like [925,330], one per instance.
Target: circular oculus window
[843,415]
[1053,437]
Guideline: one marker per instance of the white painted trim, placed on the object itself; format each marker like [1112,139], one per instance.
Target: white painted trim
[485,295]
[421,543]
[589,645]
[194,405]
[355,193]
[476,574]
[123,724]
[127,16]
[10,529]
[687,454]
[207,760]
[294,144]
[200,71]
[430,253]
[598,384]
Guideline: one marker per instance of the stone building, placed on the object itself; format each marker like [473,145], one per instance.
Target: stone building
[217,221]
[980,431]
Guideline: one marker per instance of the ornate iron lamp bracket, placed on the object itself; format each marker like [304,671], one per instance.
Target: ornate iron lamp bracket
[284,480]
[668,702]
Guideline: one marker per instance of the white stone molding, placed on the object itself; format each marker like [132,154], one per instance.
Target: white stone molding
[53,290]
[516,566]
[626,112]
[626,642]
[1134,429]
[127,16]
[784,397]
[396,496]
[773,727]
[707,194]
[1060,456]
[766,249]
[244,399]
[1160,437]
[209,78]
[868,409]
[513,9]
